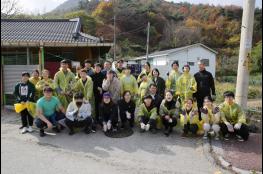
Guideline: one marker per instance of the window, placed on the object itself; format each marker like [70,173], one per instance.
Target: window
[191,63]
[206,62]
[14,58]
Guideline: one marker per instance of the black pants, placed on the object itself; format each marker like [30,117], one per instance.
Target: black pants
[167,124]
[200,102]
[193,128]
[114,120]
[26,118]
[243,131]
[147,120]
[80,124]
[98,99]
[124,119]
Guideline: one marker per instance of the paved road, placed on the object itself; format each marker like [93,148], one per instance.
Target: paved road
[95,153]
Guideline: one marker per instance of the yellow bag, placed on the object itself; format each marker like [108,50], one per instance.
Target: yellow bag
[31,108]
[19,107]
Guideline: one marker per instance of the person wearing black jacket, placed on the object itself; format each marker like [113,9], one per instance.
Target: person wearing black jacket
[108,113]
[25,92]
[205,86]
[126,109]
[97,79]
[157,99]
[158,81]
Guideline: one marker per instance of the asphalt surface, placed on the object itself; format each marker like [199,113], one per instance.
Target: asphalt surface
[95,153]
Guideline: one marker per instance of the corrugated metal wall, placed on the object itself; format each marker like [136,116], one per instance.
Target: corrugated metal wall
[12,75]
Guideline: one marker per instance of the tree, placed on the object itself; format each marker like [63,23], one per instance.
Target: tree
[257,58]
[9,8]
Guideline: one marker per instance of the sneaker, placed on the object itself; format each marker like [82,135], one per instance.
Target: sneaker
[239,138]
[87,131]
[71,132]
[29,129]
[42,133]
[226,137]
[24,130]
[147,127]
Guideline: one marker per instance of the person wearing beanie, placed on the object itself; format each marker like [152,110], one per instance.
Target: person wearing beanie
[169,112]
[112,85]
[233,118]
[128,83]
[78,114]
[173,77]
[147,115]
[108,113]
[211,118]
[205,85]
[186,85]
[25,92]
[64,81]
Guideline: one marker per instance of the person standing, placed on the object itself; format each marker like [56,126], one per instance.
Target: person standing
[173,77]
[205,86]
[119,68]
[146,70]
[186,85]
[97,79]
[112,85]
[158,81]
[144,86]
[64,80]
[106,67]
[88,68]
[25,92]
[128,83]
[45,81]
[34,79]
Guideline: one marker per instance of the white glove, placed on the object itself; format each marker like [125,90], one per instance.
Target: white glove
[229,127]
[237,126]
[147,127]
[142,126]
[128,115]
[109,125]
[170,120]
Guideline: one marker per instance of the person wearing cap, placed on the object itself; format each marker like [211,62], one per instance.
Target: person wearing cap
[173,77]
[144,86]
[128,83]
[169,112]
[186,85]
[88,67]
[45,81]
[97,79]
[78,114]
[211,118]
[112,85]
[25,92]
[147,115]
[158,81]
[120,68]
[108,113]
[47,107]
[146,70]
[205,85]
[189,118]
[126,109]
[64,81]
[233,118]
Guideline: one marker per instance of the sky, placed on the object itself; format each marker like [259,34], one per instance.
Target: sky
[43,6]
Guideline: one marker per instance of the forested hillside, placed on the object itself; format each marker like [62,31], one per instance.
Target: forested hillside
[172,25]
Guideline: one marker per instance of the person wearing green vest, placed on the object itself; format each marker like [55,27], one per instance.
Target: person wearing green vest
[144,86]
[64,80]
[233,118]
[120,69]
[146,70]
[34,79]
[173,77]
[147,115]
[45,81]
[128,83]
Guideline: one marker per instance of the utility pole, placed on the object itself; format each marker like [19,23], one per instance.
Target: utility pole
[147,46]
[244,52]
[114,57]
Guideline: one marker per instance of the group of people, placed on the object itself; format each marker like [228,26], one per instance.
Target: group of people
[114,99]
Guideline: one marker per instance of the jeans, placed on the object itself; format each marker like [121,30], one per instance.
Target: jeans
[41,124]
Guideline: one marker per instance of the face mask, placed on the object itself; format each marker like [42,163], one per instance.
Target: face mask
[79,104]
